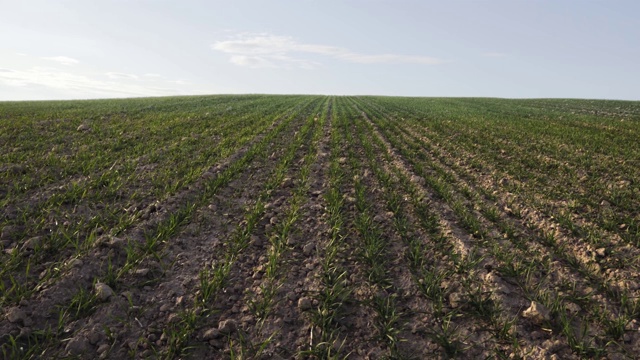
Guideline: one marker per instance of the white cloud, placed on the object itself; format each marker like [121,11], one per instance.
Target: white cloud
[180,82]
[116,75]
[84,85]
[252,61]
[64,60]
[267,50]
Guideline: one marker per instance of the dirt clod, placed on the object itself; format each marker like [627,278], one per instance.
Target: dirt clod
[211,334]
[227,326]
[78,345]
[417,180]
[307,250]
[75,263]
[103,291]
[94,336]
[304,304]
[16,315]
[287,182]
[455,298]
[537,313]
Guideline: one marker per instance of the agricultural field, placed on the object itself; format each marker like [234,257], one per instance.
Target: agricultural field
[280,227]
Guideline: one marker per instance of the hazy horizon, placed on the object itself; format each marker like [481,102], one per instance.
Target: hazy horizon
[74,49]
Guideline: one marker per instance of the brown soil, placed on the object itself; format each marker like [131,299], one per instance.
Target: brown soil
[587,285]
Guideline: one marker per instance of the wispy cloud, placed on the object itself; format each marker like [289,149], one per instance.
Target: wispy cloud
[64,60]
[116,75]
[267,50]
[86,85]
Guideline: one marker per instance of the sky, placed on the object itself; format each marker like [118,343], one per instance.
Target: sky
[79,49]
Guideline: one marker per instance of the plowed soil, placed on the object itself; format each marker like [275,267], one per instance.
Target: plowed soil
[322,227]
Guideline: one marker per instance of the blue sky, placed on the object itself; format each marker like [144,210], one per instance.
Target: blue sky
[73,49]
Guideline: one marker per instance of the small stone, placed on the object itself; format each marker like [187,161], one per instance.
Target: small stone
[227,326]
[165,307]
[173,318]
[84,127]
[308,249]
[15,315]
[75,263]
[211,334]
[342,160]
[537,313]
[103,291]
[142,272]
[304,304]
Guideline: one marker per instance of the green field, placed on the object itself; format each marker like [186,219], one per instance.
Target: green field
[263,226]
